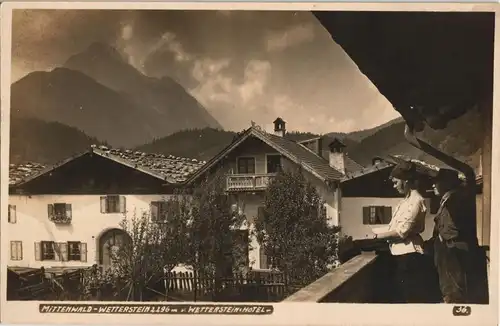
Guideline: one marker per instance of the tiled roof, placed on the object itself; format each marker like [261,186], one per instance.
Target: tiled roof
[370,169]
[299,154]
[352,166]
[305,156]
[166,167]
[19,172]
[394,159]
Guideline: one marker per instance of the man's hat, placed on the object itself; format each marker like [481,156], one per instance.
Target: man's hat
[404,171]
[448,175]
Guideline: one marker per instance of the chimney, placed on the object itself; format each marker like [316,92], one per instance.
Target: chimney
[337,155]
[377,160]
[319,149]
[279,127]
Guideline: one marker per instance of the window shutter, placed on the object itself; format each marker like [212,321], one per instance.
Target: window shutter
[20,250]
[83,252]
[57,251]
[12,214]
[38,251]
[387,214]
[123,205]
[13,250]
[366,215]
[263,258]
[103,205]
[63,247]
[154,211]
[50,209]
[68,211]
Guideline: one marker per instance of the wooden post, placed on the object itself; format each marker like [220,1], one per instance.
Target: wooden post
[486,169]
[195,275]
[166,281]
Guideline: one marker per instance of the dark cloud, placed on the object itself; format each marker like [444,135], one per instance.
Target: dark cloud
[242,65]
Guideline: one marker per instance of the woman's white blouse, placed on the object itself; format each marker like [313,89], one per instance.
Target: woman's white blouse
[408,221]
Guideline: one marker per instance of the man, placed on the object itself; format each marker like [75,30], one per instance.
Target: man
[457,256]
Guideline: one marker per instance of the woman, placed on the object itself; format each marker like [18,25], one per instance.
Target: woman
[414,277]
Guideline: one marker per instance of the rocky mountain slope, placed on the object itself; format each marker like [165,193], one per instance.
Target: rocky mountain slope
[99,92]
[34,140]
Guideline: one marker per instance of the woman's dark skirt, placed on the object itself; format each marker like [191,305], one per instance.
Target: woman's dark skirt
[416,280]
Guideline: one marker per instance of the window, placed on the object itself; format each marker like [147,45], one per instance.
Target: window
[160,210]
[112,204]
[373,215]
[16,250]
[59,212]
[74,250]
[61,251]
[246,165]
[12,218]
[48,251]
[273,163]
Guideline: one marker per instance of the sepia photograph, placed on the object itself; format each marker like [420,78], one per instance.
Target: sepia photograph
[246,156]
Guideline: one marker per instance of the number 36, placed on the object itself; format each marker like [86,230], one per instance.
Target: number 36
[461,311]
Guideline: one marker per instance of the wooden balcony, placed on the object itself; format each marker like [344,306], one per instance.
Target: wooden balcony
[248,182]
[367,277]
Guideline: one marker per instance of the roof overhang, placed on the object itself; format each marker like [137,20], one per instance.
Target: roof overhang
[441,64]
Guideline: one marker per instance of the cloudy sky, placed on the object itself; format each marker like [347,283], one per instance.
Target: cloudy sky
[240,65]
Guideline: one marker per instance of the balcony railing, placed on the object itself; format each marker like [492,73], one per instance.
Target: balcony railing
[365,278]
[248,181]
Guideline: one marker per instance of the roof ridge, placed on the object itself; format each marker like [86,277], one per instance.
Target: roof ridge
[109,148]
[368,170]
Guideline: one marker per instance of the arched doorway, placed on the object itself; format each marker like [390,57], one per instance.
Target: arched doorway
[110,241]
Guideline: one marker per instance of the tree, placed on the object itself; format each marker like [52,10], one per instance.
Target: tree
[197,232]
[140,260]
[211,230]
[293,229]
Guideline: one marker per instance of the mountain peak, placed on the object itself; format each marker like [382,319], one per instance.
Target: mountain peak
[96,52]
[100,49]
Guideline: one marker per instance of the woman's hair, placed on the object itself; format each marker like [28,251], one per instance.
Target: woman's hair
[411,177]
[418,182]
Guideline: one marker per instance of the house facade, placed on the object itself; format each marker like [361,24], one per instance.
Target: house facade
[254,158]
[69,215]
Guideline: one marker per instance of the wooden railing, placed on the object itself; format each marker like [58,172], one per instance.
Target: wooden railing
[248,181]
[349,283]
